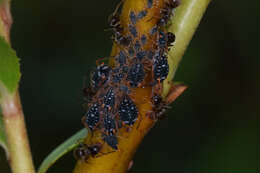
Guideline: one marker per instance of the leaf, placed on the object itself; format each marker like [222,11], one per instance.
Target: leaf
[3,142]
[9,68]
[62,149]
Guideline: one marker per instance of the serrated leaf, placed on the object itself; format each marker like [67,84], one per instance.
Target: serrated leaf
[62,149]
[3,142]
[9,68]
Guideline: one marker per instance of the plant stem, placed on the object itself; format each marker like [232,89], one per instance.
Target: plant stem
[184,25]
[20,158]
[185,22]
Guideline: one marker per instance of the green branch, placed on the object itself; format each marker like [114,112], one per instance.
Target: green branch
[18,149]
[184,25]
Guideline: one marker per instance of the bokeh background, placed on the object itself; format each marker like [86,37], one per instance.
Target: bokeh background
[212,127]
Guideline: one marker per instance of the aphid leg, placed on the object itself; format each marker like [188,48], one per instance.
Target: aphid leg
[102,154]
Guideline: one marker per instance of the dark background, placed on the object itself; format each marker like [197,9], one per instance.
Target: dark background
[212,127]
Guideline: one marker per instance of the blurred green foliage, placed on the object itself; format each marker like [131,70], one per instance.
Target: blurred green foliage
[212,127]
[9,68]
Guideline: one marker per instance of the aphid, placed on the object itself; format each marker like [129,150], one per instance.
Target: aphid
[167,12]
[109,124]
[109,99]
[170,38]
[141,14]
[131,51]
[136,74]
[143,39]
[128,112]
[124,41]
[165,40]
[140,55]
[117,77]
[149,3]
[111,140]
[174,3]
[150,54]
[153,30]
[100,76]
[133,30]
[125,69]
[132,17]
[160,106]
[121,58]
[162,39]
[115,23]
[125,89]
[83,151]
[160,68]
[92,117]
[137,46]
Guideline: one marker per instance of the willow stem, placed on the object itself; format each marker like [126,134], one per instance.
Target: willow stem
[19,154]
[20,158]
[184,24]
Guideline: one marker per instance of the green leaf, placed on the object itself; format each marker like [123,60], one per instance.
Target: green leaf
[3,142]
[62,149]
[9,68]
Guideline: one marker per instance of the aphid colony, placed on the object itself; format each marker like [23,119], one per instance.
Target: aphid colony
[135,65]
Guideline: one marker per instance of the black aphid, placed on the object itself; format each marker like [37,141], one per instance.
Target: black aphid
[132,17]
[109,99]
[128,112]
[160,68]
[153,30]
[137,46]
[125,69]
[162,40]
[170,38]
[83,151]
[92,117]
[136,74]
[133,30]
[100,76]
[149,3]
[125,89]
[156,99]
[159,107]
[124,41]
[143,39]
[167,12]
[117,77]
[150,54]
[121,58]
[131,51]
[141,14]
[140,55]
[115,22]
[111,140]
[109,124]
